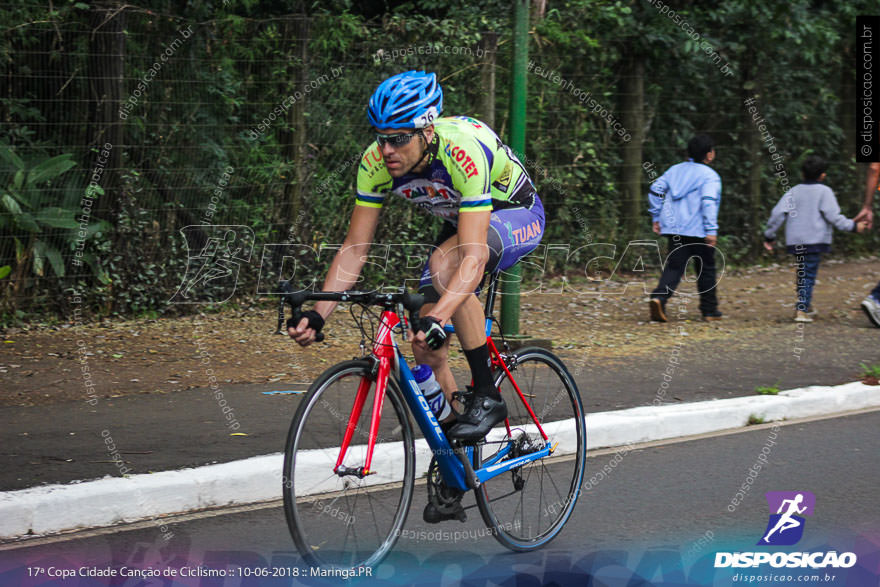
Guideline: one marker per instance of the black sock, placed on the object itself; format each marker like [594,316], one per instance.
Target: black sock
[480,364]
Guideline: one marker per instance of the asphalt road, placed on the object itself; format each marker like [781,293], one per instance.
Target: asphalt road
[651,515]
[66,442]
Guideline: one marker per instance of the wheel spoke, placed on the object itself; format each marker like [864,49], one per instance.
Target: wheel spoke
[360,520]
[549,492]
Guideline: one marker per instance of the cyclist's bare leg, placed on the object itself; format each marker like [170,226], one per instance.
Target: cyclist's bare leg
[485,408]
[468,319]
[470,324]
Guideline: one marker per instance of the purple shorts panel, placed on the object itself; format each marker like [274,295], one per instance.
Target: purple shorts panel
[513,234]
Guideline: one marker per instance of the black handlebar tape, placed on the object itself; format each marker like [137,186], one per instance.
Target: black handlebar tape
[412,302]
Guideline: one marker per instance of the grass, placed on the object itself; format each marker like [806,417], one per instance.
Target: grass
[768,389]
[753,420]
[870,371]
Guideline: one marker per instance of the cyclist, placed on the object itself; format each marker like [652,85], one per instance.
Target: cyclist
[458,169]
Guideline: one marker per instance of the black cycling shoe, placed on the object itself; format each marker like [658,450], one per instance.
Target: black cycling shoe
[481,414]
[446,426]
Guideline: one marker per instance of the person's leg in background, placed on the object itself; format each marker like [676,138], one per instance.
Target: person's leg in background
[676,261]
[800,282]
[876,292]
[707,283]
[871,306]
[811,269]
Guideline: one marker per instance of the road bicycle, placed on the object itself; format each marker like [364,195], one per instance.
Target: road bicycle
[350,460]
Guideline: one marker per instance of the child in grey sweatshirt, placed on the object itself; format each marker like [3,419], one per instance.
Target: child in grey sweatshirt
[809,211]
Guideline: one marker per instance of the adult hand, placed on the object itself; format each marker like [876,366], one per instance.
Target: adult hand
[430,333]
[866,215]
[768,246]
[302,334]
[307,330]
[711,239]
[656,227]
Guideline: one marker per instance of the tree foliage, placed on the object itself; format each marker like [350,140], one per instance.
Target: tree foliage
[304,71]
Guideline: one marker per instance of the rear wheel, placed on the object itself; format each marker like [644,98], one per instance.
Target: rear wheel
[347,522]
[528,506]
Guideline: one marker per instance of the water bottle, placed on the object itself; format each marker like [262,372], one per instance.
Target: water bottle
[431,390]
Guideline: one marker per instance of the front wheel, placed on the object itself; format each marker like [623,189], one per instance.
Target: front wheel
[347,522]
[527,507]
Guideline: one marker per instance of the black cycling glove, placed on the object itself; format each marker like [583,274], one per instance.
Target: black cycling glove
[435,336]
[316,321]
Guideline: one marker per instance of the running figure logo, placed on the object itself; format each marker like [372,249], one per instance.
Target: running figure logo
[786,526]
[215,255]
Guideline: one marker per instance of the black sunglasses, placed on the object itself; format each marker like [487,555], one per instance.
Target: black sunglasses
[398,140]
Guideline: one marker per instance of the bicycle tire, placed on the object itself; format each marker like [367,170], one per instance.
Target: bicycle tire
[510,519]
[315,497]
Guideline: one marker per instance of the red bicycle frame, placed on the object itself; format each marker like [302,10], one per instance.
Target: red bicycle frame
[384,351]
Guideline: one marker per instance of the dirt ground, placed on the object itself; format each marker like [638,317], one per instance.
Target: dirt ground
[603,320]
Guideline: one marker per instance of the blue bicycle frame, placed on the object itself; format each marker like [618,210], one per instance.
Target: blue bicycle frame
[455,466]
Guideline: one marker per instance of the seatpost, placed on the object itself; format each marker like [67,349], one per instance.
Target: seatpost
[490,294]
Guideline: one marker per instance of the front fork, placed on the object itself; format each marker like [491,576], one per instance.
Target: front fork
[379,371]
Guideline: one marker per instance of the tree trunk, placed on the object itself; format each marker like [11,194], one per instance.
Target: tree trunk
[489,46]
[757,158]
[106,64]
[632,117]
[756,153]
[539,8]
[847,122]
[295,139]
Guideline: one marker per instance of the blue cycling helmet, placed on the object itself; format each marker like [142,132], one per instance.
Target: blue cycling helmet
[407,100]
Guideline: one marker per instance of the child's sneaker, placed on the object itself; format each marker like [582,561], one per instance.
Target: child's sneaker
[801,316]
[871,306]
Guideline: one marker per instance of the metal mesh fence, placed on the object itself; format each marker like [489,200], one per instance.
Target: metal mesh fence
[119,127]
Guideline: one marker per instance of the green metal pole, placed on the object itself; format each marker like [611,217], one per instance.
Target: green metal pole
[517,141]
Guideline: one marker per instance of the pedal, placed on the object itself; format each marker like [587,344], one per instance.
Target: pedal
[435,513]
[444,502]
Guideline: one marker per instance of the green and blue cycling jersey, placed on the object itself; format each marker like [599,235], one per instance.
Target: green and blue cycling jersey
[469,170]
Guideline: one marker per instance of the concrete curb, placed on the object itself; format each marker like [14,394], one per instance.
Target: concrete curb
[105,502]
